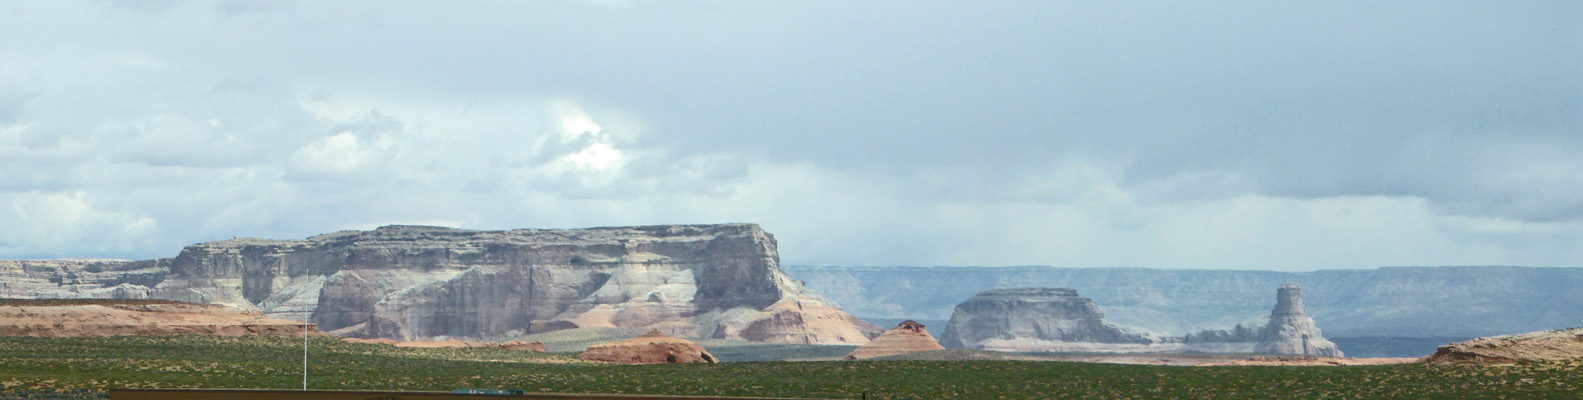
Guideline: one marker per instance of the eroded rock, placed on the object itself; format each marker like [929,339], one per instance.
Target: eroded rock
[1556,345]
[1030,319]
[650,348]
[906,338]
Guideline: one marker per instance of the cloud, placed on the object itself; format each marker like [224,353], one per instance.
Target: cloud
[39,221]
[1254,135]
[338,154]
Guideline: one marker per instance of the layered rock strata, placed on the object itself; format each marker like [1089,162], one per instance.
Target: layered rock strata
[650,348]
[906,338]
[81,279]
[413,283]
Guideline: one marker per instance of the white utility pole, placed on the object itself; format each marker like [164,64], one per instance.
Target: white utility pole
[305,356]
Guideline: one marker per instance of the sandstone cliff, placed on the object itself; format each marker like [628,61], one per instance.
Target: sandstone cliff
[1036,319]
[422,283]
[81,279]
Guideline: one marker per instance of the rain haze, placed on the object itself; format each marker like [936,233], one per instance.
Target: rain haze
[1252,135]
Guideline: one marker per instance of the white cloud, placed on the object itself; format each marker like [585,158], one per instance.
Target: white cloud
[42,221]
[597,156]
[340,153]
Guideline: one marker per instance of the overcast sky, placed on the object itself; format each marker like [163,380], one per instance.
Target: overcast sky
[1243,135]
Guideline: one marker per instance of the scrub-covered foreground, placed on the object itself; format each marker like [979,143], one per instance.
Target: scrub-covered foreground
[84,367]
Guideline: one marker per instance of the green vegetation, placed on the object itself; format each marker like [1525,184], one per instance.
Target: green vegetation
[745,351]
[963,355]
[728,350]
[574,340]
[83,367]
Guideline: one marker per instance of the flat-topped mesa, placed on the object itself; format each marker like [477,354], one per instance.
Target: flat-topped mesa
[1037,319]
[420,282]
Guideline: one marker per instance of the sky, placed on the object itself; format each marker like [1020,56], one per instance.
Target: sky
[1229,135]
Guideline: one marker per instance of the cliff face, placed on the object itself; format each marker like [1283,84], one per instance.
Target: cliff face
[1385,302]
[414,283]
[88,279]
[1030,318]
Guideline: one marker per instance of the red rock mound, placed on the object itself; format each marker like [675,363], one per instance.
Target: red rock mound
[104,318]
[907,338]
[1565,344]
[650,348]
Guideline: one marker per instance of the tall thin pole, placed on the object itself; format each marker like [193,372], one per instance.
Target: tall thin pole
[304,356]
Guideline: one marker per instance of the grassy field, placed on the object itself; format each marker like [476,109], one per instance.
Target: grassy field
[83,368]
[727,350]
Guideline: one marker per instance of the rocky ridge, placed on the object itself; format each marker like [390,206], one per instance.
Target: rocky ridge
[413,283]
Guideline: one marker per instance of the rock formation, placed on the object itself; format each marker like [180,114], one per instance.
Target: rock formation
[1030,319]
[1291,330]
[1288,331]
[650,348]
[1565,344]
[1057,319]
[907,338]
[418,283]
[81,279]
[1456,303]
[104,318]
